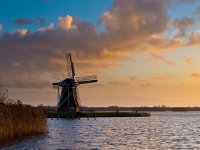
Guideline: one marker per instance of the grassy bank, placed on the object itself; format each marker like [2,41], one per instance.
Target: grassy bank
[99,114]
[18,120]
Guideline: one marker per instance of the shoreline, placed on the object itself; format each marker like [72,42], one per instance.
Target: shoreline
[97,114]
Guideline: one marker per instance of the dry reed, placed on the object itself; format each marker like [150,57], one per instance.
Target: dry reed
[18,120]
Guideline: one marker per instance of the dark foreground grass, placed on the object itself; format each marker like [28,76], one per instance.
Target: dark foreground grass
[18,121]
[99,114]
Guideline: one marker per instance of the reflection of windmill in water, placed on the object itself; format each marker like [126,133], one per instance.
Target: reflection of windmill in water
[68,97]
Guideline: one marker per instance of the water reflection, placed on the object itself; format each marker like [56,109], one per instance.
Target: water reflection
[165,130]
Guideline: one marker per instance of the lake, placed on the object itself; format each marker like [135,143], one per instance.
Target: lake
[163,130]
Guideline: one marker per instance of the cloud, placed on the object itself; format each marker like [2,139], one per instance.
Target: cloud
[185,1]
[23,21]
[195,75]
[189,60]
[182,24]
[20,32]
[1,27]
[40,20]
[27,21]
[115,82]
[197,11]
[26,79]
[145,84]
[65,22]
[50,27]
[159,43]
[135,78]
[130,26]
[156,57]
[131,19]
[162,77]
[194,39]
[140,82]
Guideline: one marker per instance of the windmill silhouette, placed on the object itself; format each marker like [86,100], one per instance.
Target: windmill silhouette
[68,99]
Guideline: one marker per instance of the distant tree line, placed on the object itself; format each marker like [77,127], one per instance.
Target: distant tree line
[118,108]
[142,108]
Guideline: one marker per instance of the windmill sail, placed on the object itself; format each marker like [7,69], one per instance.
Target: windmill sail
[67,90]
[70,66]
[86,79]
[78,100]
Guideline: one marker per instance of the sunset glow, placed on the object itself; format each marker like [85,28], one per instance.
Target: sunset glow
[145,52]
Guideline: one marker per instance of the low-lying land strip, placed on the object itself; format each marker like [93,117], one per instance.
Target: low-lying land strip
[98,114]
[139,109]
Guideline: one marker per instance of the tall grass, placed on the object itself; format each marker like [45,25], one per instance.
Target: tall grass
[18,120]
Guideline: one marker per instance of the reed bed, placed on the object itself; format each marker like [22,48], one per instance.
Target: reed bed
[18,120]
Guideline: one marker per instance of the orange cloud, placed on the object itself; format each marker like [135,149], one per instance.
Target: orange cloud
[130,26]
[194,39]
[65,22]
[50,27]
[20,32]
[115,82]
[182,24]
[145,84]
[135,78]
[158,43]
[155,57]
[189,60]
[196,75]
[162,77]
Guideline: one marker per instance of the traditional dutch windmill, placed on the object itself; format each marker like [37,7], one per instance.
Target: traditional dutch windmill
[67,97]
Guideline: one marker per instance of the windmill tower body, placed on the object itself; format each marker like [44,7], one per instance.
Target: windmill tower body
[67,96]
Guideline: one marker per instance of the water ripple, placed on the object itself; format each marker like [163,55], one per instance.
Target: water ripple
[163,130]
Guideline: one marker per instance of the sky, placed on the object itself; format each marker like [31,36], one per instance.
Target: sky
[145,53]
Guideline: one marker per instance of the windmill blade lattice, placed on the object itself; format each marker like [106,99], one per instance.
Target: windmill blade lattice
[70,66]
[78,96]
[86,79]
[68,98]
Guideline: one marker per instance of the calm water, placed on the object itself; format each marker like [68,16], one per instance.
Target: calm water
[165,130]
